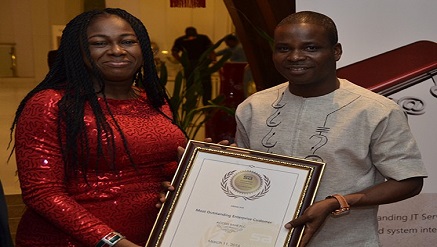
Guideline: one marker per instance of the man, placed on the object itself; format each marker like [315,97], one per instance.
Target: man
[370,154]
[235,48]
[194,45]
[238,56]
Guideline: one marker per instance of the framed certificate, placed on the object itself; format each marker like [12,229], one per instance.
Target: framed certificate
[228,196]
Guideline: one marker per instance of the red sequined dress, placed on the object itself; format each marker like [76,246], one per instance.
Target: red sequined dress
[79,212]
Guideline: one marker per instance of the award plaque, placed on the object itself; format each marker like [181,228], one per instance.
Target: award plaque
[229,196]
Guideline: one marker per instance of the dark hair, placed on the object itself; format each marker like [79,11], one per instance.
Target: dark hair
[313,18]
[231,37]
[70,74]
[51,57]
[191,31]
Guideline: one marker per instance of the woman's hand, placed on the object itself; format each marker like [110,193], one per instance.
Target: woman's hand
[166,186]
[180,151]
[125,243]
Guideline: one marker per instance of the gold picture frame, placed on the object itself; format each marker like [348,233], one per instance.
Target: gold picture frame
[229,196]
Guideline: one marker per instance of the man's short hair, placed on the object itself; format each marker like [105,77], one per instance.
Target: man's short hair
[313,18]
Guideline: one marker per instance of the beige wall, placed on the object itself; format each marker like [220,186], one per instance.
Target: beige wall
[28,23]
[11,92]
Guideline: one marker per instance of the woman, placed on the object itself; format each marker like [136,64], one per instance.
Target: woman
[95,139]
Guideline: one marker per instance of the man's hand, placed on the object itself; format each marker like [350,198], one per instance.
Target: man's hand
[222,142]
[313,218]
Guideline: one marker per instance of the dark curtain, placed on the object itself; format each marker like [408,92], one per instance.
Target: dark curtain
[5,234]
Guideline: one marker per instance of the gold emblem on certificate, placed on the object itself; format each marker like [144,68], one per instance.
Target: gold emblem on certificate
[248,185]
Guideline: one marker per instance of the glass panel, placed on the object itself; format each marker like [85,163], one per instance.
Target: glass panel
[7,60]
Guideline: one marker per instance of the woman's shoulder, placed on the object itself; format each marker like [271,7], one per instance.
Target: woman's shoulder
[46,95]
[44,100]
[41,108]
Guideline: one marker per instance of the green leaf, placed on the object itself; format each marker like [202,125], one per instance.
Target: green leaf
[219,64]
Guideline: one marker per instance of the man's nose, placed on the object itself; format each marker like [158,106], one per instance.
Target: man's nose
[295,55]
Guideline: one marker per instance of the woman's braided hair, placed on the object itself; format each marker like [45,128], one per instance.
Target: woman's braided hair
[70,74]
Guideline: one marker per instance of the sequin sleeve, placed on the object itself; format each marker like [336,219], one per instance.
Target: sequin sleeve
[41,171]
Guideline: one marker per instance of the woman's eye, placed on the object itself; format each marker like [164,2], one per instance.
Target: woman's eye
[98,43]
[129,42]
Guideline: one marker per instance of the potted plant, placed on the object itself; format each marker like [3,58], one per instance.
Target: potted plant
[186,102]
